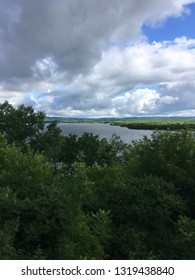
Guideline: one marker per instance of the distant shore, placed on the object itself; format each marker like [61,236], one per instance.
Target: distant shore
[172,123]
[156,124]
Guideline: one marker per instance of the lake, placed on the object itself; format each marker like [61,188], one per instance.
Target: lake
[103,131]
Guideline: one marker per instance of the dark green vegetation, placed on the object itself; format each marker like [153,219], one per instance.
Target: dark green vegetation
[64,197]
[161,124]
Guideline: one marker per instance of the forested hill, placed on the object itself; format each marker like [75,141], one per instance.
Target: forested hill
[112,120]
[172,123]
[78,120]
[68,197]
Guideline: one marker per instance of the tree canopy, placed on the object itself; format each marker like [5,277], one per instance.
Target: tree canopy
[70,197]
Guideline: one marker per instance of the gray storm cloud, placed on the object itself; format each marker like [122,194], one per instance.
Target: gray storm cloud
[60,49]
[71,31]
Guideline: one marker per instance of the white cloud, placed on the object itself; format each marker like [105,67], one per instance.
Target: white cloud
[83,57]
[110,89]
[167,99]
[141,101]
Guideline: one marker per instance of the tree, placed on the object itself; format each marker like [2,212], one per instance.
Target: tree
[20,125]
[69,197]
[49,142]
[144,213]
[185,238]
[70,151]
[42,212]
[170,155]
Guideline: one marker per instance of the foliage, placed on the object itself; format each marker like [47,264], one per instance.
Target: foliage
[21,125]
[168,155]
[142,209]
[160,124]
[185,238]
[69,197]
[41,212]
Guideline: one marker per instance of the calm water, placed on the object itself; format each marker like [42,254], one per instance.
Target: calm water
[103,131]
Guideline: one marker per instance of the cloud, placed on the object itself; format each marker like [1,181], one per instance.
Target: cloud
[71,31]
[87,57]
[182,97]
[120,82]
[141,101]
[112,85]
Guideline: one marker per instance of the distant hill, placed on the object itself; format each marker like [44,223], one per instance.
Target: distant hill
[108,120]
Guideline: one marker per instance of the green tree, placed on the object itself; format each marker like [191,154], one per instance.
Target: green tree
[21,125]
[41,211]
[170,155]
[49,142]
[143,211]
[70,151]
[100,151]
[185,238]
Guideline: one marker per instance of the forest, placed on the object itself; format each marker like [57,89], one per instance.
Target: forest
[85,198]
[157,123]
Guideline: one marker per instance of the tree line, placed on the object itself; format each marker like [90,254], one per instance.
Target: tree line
[160,124]
[69,197]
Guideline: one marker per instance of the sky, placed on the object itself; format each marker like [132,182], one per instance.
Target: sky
[99,58]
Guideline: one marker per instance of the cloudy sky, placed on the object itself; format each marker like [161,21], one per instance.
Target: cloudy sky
[99,58]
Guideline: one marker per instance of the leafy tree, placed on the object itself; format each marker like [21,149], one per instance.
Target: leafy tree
[170,155]
[69,197]
[89,145]
[143,210]
[70,151]
[42,214]
[185,238]
[100,151]
[21,125]
[49,142]
[7,234]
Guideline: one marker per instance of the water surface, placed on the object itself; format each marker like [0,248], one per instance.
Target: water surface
[103,131]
